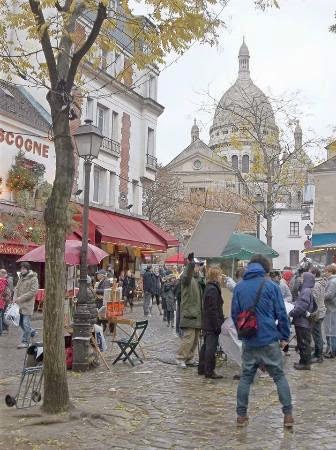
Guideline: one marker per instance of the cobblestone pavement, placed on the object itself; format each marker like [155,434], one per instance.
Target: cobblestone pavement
[159,406]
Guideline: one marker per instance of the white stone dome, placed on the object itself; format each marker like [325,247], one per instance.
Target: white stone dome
[242,105]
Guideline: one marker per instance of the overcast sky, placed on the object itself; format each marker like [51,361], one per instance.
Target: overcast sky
[291,50]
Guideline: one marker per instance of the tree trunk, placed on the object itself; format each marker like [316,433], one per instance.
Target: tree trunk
[269,208]
[56,395]
[269,235]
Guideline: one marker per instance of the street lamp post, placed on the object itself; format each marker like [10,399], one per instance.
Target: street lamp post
[88,140]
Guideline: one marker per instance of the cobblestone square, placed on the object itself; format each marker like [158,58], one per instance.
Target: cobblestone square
[156,405]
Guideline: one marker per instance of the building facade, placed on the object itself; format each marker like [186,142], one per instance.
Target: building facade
[323,248]
[201,170]
[243,131]
[24,127]
[121,101]
[288,229]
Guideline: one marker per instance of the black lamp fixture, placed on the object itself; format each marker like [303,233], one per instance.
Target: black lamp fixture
[308,230]
[78,192]
[129,207]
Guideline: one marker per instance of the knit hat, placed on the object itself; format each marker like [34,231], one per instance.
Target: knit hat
[287,276]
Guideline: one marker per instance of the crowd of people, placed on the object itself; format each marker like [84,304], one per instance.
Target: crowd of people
[270,299]
[265,302]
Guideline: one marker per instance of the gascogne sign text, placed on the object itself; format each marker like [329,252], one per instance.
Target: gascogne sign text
[24,143]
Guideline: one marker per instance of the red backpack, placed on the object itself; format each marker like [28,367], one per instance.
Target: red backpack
[247,324]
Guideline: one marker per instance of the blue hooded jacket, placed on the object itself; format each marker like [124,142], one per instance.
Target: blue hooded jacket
[270,308]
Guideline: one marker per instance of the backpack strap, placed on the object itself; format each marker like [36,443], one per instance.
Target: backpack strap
[258,294]
[257,298]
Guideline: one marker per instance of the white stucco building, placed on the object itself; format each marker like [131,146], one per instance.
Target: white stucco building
[24,127]
[288,234]
[122,102]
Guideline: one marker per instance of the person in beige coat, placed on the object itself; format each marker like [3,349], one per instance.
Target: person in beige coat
[24,295]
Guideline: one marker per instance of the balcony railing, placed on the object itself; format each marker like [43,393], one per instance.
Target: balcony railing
[110,146]
[151,162]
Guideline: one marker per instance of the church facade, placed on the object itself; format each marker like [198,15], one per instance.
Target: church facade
[243,141]
[201,170]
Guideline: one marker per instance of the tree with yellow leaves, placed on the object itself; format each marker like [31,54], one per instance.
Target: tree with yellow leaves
[192,205]
[53,44]
[278,164]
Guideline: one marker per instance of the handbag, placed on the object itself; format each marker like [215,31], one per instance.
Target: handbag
[12,315]
[247,324]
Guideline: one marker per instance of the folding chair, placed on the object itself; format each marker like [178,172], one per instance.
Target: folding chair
[128,345]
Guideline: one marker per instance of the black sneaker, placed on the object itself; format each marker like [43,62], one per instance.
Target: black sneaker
[316,360]
[214,376]
[299,366]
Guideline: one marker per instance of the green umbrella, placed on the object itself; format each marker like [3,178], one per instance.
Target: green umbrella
[243,246]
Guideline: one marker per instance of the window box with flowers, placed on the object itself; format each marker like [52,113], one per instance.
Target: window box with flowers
[24,175]
[24,229]
[20,179]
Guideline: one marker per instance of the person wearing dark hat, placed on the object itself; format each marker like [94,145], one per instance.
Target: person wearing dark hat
[24,295]
[103,283]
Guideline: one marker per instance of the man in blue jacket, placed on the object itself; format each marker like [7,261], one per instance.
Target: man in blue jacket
[264,348]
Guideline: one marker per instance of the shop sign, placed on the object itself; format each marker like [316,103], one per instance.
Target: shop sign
[11,249]
[24,143]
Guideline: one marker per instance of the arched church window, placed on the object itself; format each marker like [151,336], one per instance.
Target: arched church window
[245,164]
[299,196]
[234,162]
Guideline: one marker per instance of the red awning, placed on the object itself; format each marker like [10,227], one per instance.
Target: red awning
[120,229]
[179,258]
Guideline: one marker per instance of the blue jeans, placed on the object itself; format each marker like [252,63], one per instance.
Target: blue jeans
[3,326]
[331,345]
[147,303]
[317,337]
[28,331]
[271,357]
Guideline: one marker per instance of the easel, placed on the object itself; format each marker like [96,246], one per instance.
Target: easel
[94,342]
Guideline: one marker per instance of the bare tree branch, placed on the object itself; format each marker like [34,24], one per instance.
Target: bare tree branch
[36,9]
[81,52]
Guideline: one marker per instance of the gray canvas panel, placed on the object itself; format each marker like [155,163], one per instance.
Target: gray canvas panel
[212,233]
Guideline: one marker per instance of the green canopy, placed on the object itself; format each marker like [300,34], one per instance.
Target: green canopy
[243,246]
